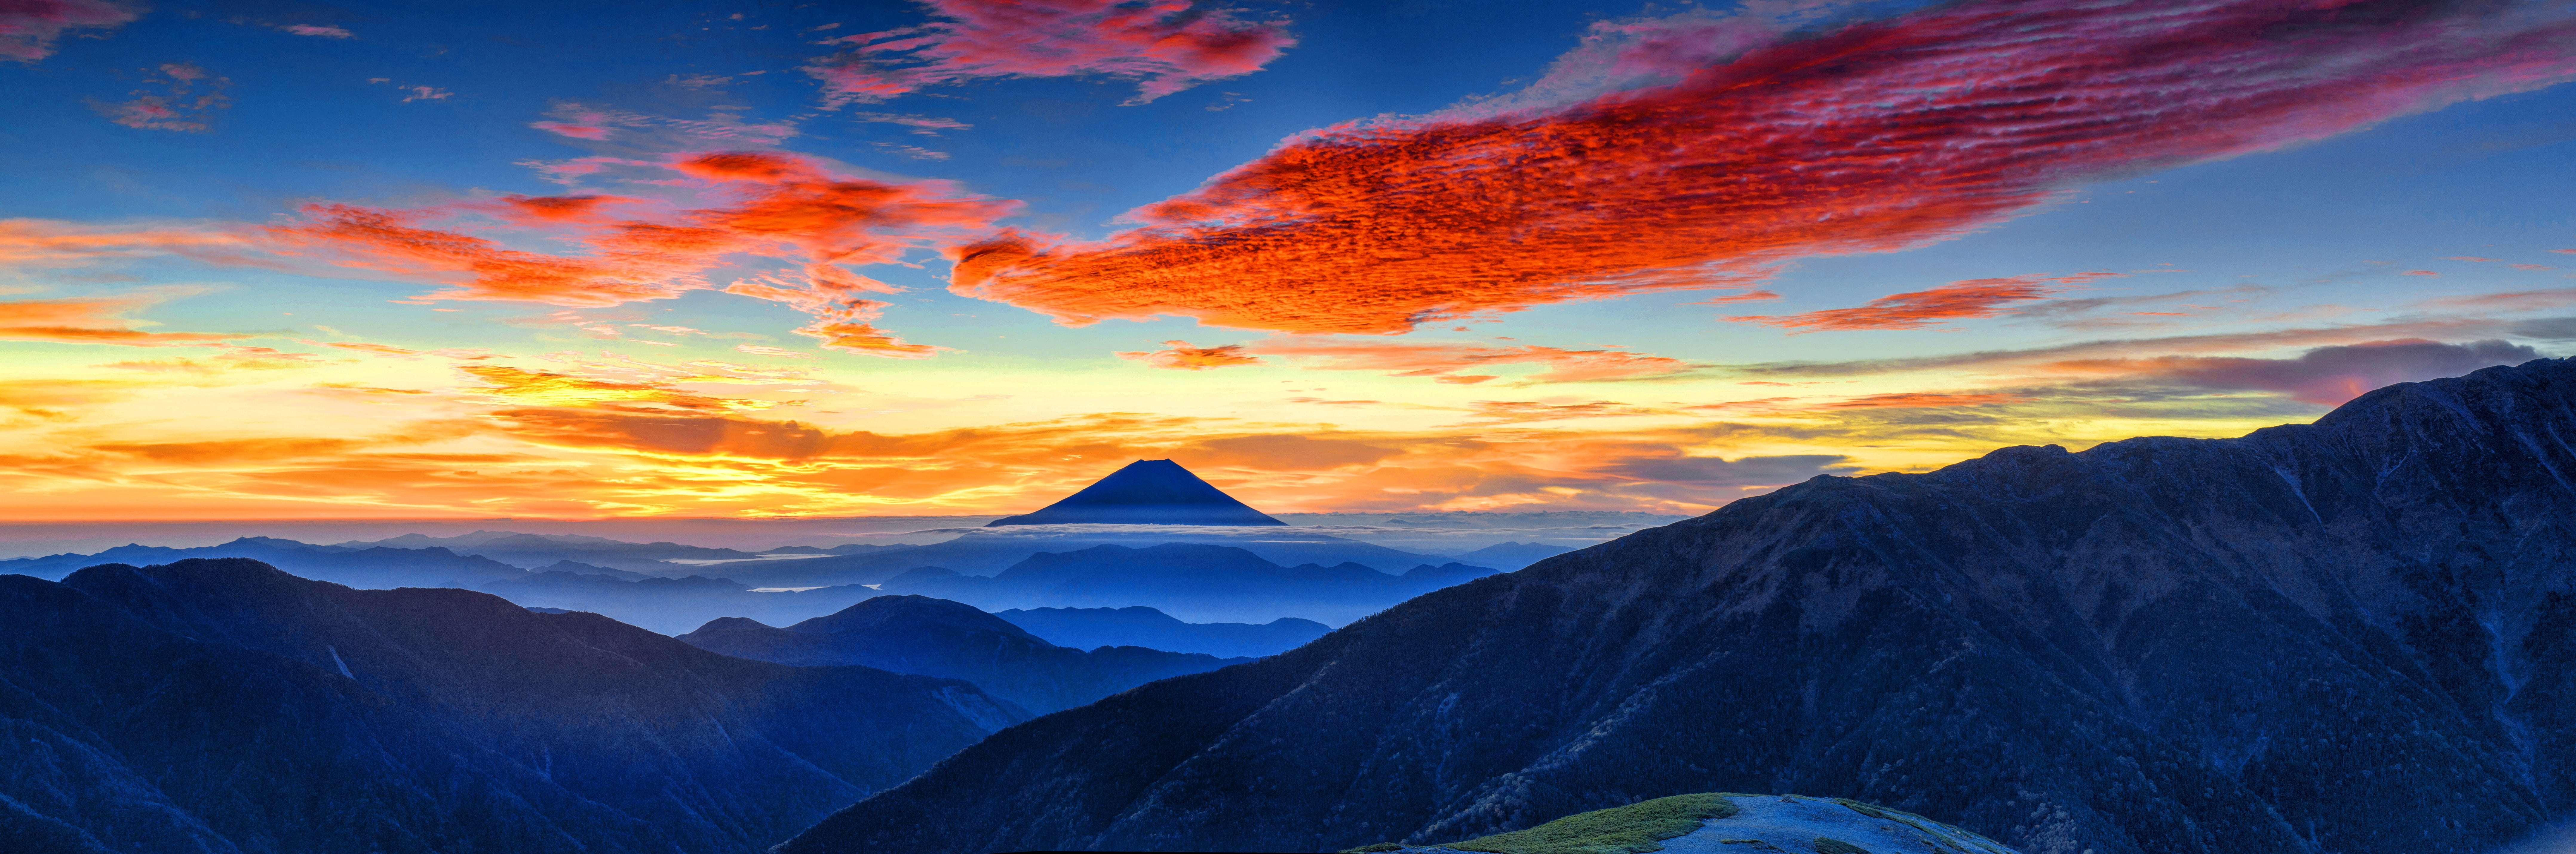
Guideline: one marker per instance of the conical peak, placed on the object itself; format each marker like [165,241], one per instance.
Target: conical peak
[1146,492]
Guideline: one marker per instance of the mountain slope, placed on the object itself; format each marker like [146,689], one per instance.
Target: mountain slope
[918,634]
[1137,625]
[1145,492]
[2351,636]
[374,567]
[222,705]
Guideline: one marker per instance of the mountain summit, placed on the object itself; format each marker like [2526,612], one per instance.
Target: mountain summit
[1146,492]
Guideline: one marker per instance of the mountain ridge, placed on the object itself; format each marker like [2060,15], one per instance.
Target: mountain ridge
[2351,636]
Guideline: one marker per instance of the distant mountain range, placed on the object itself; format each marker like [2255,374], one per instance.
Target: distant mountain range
[2353,636]
[372,566]
[226,706]
[1190,581]
[990,551]
[1509,557]
[1137,625]
[936,637]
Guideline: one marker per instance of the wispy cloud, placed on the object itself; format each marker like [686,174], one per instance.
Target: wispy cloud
[1164,45]
[1181,356]
[1869,137]
[1969,298]
[28,28]
[186,100]
[1447,362]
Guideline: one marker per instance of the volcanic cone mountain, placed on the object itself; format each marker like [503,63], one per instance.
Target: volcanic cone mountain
[1146,492]
[2353,636]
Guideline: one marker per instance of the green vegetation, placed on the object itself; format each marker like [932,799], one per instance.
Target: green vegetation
[1373,849]
[1830,845]
[1633,829]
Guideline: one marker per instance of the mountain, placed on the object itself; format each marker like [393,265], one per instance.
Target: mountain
[2351,636]
[988,551]
[530,550]
[1145,492]
[669,605]
[935,637]
[373,566]
[1137,625]
[1710,823]
[225,706]
[1191,581]
[1512,556]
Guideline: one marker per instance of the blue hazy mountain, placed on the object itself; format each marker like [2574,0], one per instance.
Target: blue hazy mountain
[1192,581]
[1145,492]
[369,566]
[670,605]
[989,551]
[225,706]
[935,637]
[534,550]
[2354,636]
[1137,625]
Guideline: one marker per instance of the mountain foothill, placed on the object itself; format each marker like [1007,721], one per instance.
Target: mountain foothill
[2344,637]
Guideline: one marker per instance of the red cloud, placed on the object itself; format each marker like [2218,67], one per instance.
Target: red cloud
[572,130]
[1873,137]
[1445,361]
[787,208]
[1920,309]
[1166,45]
[1182,356]
[313,30]
[28,27]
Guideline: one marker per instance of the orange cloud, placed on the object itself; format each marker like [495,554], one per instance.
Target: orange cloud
[1165,45]
[1184,357]
[88,321]
[1924,400]
[1876,136]
[1445,361]
[545,388]
[1967,298]
[45,243]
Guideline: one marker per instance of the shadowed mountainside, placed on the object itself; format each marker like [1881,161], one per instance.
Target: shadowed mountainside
[225,706]
[934,637]
[2352,636]
[1137,625]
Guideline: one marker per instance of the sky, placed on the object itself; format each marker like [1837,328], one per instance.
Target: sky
[291,260]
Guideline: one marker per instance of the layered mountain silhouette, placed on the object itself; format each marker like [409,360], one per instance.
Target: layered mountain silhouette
[1512,556]
[936,637]
[1190,581]
[1145,492]
[369,566]
[225,706]
[1137,625]
[988,551]
[2353,636]
[670,605]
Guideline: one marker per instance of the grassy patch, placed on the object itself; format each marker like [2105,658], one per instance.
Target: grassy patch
[1830,845]
[1633,829]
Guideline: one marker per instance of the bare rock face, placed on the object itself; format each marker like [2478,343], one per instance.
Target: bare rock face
[2353,636]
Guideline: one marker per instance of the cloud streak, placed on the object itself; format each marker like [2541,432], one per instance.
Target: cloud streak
[1164,45]
[785,208]
[1446,362]
[1181,356]
[1969,298]
[28,28]
[1869,137]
